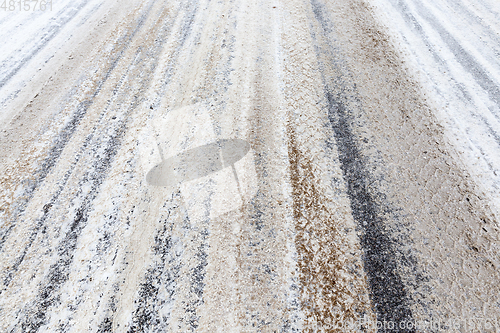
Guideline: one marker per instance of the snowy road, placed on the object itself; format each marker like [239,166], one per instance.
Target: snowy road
[455,47]
[250,166]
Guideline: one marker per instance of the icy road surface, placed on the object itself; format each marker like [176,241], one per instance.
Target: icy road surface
[250,166]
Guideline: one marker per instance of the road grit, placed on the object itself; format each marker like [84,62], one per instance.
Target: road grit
[314,186]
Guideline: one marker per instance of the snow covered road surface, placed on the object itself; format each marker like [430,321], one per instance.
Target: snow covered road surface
[455,45]
[249,166]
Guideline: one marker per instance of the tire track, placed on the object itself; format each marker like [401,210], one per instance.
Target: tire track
[424,195]
[39,43]
[388,294]
[58,272]
[158,290]
[70,128]
[466,99]
[462,56]
[148,303]
[334,287]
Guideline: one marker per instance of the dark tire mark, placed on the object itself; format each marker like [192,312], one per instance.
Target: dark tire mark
[163,275]
[387,290]
[59,272]
[39,225]
[463,57]
[69,129]
[105,326]
[48,34]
